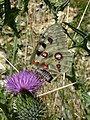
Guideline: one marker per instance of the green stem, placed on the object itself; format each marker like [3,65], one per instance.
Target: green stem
[15,48]
[14,52]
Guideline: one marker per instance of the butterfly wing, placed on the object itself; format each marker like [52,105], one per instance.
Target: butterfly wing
[51,52]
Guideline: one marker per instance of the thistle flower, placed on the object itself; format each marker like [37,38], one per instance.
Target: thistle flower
[24,81]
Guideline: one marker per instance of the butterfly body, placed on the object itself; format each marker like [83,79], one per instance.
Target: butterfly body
[51,53]
[45,74]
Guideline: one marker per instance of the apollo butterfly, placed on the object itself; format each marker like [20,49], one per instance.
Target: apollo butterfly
[51,54]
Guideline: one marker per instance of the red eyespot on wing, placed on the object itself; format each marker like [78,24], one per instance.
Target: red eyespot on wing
[38,52]
[36,63]
[50,40]
[58,56]
[45,54]
[58,67]
[45,67]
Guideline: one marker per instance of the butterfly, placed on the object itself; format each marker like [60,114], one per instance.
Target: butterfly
[51,55]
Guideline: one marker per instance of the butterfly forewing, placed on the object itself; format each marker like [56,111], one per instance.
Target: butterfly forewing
[51,52]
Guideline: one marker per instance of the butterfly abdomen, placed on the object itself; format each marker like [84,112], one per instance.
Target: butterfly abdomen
[46,75]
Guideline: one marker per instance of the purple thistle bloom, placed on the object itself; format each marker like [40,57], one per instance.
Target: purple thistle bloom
[24,81]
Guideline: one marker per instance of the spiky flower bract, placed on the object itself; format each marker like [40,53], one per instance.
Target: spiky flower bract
[24,81]
[29,107]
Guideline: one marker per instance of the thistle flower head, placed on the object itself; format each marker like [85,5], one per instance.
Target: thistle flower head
[24,81]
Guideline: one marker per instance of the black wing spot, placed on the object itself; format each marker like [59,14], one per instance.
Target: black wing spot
[38,52]
[50,40]
[43,44]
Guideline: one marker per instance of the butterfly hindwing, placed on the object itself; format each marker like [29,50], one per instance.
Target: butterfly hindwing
[51,52]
